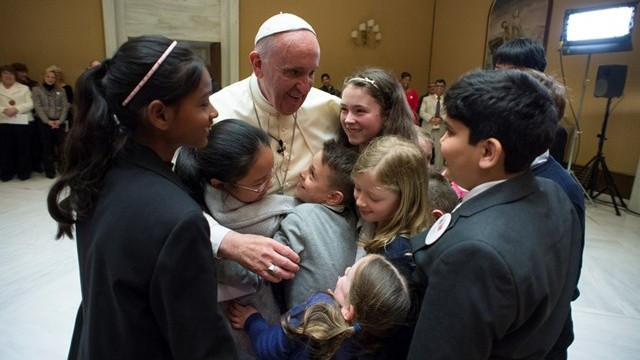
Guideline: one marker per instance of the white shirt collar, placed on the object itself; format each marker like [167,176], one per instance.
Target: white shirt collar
[540,160]
[478,190]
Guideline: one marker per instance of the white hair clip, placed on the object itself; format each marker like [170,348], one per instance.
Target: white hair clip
[366,79]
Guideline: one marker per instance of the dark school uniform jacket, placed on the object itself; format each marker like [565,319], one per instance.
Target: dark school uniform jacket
[499,281]
[147,270]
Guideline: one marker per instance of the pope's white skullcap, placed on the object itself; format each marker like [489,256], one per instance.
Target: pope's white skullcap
[281,23]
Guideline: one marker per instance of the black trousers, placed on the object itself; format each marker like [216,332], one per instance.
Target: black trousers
[35,148]
[50,139]
[14,151]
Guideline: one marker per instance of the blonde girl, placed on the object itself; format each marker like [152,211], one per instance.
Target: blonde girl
[391,182]
[367,305]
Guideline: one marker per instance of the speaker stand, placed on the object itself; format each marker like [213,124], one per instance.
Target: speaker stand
[597,164]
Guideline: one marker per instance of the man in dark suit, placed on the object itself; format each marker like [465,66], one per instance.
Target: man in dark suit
[497,275]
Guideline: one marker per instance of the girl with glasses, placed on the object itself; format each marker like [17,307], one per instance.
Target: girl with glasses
[230,178]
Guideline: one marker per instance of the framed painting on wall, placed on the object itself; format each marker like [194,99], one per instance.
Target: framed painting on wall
[509,19]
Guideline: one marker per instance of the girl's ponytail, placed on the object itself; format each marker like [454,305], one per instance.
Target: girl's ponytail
[381,301]
[325,328]
[87,153]
[104,125]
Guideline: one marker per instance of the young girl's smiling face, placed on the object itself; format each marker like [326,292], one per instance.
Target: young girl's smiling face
[360,115]
[194,116]
[375,202]
[343,287]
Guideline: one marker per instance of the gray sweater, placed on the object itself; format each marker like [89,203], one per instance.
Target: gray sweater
[326,242]
[259,218]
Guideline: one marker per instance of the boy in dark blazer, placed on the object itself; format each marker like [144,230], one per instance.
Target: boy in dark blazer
[497,275]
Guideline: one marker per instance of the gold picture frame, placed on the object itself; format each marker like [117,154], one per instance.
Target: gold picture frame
[509,19]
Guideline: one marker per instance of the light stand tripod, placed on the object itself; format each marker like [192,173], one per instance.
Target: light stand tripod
[576,132]
[597,164]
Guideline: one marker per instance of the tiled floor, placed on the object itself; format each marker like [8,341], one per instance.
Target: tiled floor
[39,289]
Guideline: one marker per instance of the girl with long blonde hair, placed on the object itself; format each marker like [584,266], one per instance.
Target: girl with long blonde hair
[391,182]
[369,303]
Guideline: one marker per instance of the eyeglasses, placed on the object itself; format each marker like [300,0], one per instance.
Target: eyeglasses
[260,187]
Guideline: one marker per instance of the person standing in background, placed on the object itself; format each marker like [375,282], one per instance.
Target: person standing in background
[433,112]
[412,95]
[430,90]
[51,106]
[35,147]
[68,90]
[15,115]
[327,86]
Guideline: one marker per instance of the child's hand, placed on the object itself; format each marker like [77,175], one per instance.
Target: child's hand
[238,315]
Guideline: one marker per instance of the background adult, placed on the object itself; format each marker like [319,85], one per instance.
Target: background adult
[280,99]
[526,53]
[15,115]
[433,112]
[520,52]
[430,90]
[52,107]
[327,86]
[412,95]
[35,147]
[68,90]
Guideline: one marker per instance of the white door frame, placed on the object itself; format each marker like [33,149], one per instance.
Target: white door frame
[113,18]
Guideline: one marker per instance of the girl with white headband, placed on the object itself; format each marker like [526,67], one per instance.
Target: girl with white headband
[374,104]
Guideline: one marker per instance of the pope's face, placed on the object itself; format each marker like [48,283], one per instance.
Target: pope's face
[286,74]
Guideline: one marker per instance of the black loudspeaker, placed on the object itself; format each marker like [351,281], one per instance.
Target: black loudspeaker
[610,81]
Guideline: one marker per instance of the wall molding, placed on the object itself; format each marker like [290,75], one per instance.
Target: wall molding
[115,34]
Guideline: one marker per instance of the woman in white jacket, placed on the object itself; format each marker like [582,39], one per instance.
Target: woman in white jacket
[15,113]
